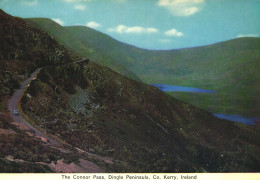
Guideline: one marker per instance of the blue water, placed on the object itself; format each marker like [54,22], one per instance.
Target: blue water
[170,88]
[237,118]
[230,117]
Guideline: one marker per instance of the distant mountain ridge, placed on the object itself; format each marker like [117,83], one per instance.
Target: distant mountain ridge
[230,68]
[80,45]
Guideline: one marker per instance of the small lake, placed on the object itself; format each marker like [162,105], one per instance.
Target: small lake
[230,117]
[237,118]
[172,88]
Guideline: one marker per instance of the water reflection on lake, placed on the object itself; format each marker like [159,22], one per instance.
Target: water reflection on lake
[171,88]
[237,118]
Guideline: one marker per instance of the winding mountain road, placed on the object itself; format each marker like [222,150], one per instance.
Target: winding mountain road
[12,105]
[14,100]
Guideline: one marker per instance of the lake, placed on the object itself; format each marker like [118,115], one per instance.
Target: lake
[237,118]
[171,88]
[230,117]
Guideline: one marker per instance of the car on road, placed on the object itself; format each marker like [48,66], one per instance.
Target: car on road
[16,112]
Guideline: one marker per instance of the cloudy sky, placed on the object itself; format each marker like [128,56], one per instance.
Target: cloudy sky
[151,24]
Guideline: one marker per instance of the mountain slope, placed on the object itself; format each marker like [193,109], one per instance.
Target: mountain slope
[229,68]
[80,45]
[95,108]
[23,49]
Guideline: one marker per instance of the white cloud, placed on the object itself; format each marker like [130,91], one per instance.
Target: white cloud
[29,3]
[135,29]
[173,32]
[151,30]
[80,7]
[93,24]
[59,21]
[182,7]
[246,35]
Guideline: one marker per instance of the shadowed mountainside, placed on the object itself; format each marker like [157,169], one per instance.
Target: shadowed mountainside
[230,68]
[140,127]
[23,49]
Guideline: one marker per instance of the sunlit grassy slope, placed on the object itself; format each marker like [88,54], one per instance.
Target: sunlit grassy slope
[83,44]
[230,68]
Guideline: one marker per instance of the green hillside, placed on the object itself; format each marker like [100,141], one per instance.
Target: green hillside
[230,68]
[82,44]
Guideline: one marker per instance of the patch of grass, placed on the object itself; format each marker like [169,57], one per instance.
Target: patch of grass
[221,102]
